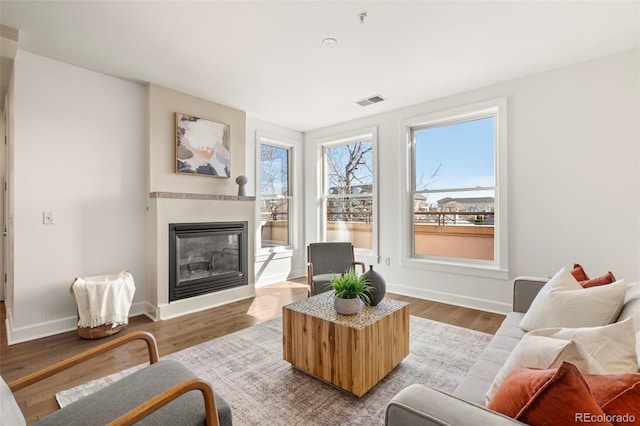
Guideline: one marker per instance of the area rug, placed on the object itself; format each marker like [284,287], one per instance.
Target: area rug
[246,368]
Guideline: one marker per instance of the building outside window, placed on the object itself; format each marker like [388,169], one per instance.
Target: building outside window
[348,200]
[454,173]
[275,196]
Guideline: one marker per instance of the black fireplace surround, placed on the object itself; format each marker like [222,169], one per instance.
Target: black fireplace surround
[206,257]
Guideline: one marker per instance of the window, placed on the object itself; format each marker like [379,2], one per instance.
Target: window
[348,192]
[457,208]
[275,196]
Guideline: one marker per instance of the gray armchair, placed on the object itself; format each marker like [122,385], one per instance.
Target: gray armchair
[160,393]
[325,260]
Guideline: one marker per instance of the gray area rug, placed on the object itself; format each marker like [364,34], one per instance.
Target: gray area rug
[247,369]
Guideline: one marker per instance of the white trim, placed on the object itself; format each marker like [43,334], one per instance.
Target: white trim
[453,267]
[50,328]
[499,268]
[345,138]
[502,182]
[45,329]
[150,311]
[469,189]
[291,146]
[455,115]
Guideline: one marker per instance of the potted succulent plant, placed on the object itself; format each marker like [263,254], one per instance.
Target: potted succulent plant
[350,291]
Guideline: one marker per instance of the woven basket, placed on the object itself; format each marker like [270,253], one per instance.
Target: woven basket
[99,331]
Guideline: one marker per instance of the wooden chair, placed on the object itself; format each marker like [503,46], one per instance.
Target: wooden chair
[147,395]
[325,260]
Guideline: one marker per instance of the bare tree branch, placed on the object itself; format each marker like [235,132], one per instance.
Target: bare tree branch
[350,167]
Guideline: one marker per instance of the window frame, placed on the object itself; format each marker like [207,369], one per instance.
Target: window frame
[284,143]
[346,138]
[498,268]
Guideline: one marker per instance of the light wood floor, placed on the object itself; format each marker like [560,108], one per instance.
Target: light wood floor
[176,334]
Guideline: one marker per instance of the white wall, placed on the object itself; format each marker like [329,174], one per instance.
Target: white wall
[281,264]
[8,207]
[79,152]
[573,160]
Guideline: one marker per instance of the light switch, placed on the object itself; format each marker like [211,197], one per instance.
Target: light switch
[48,218]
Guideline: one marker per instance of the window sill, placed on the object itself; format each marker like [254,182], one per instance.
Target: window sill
[274,253]
[485,271]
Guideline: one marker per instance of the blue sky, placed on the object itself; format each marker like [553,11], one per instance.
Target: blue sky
[464,152]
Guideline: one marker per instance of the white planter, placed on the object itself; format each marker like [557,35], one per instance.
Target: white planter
[347,306]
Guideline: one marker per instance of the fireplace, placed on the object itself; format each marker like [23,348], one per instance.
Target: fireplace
[206,257]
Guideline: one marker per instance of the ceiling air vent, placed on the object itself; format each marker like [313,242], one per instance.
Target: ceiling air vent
[372,100]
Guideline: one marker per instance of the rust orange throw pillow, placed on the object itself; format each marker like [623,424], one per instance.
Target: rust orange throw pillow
[578,273]
[548,397]
[581,276]
[607,278]
[618,395]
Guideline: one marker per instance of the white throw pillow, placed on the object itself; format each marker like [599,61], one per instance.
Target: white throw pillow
[544,353]
[613,346]
[562,302]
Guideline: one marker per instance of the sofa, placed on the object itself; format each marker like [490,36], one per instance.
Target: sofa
[421,405]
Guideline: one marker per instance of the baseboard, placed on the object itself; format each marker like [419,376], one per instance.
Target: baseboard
[36,331]
[150,311]
[451,299]
[49,328]
[138,308]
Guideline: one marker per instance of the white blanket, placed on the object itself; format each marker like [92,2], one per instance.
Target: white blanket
[104,299]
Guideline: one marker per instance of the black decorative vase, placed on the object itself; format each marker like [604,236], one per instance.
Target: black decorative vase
[375,280]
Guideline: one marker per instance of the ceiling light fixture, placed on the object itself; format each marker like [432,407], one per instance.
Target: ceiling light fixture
[362,16]
[329,42]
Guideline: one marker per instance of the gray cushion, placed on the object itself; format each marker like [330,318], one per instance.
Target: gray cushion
[320,283]
[10,413]
[479,378]
[418,405]
[111,402]
[332,257]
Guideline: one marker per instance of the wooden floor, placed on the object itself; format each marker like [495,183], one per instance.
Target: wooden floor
[176,334]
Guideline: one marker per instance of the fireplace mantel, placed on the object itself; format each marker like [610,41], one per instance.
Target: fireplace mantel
[190,196]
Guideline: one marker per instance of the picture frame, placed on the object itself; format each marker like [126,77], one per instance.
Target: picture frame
[202,146]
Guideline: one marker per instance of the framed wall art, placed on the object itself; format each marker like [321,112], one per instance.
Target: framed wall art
[202,146]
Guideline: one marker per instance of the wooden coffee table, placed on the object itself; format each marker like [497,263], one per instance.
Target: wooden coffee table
[351,352]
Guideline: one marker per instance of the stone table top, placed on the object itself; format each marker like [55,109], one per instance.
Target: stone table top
[321,306]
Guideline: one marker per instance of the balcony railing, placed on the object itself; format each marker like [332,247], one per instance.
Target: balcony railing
[444,218]
[467,235]
[363,216]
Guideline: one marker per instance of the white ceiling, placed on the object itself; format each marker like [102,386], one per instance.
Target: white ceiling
[266,57]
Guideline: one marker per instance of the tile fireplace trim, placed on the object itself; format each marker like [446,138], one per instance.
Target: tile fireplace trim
[188,196]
